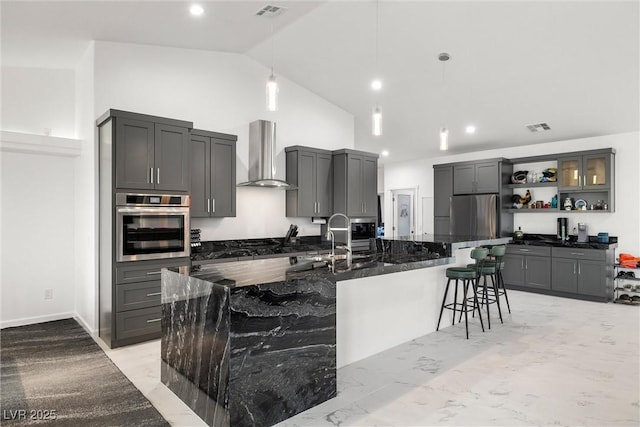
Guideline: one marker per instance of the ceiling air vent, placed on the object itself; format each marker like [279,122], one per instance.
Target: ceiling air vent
[270,11]
[538,127]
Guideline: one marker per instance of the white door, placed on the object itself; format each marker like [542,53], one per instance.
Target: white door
[404,213]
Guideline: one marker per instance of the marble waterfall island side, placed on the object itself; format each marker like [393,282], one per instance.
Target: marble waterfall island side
[249,353]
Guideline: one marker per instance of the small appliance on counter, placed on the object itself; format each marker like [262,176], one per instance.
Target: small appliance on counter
[583,233]
[518,235]
[563,226]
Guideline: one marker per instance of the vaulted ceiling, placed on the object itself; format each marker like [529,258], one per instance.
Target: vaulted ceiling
[573,65]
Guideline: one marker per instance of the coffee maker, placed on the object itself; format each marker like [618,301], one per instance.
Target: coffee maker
[563,228]
[583,233]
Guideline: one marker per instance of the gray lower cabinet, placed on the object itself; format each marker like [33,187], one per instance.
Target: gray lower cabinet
[527,267]
[477,177]
[355,183]
[584,272]
[151,153]
[130,311]
[310,173]
[213,174]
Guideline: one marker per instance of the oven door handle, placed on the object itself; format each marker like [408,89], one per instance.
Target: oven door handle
[154,210]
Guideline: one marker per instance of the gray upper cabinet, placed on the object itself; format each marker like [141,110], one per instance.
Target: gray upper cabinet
[442,190]
[151,153]
[310,173]
[171,151]
[213,174]
[478,177]
[587,171]
[355,183]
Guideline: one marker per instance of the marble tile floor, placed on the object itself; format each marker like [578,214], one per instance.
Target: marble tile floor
[554,361]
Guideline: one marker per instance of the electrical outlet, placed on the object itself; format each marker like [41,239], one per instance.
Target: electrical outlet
[48,294]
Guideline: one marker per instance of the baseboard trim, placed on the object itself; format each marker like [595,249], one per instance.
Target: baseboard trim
[37,319]
[85,326]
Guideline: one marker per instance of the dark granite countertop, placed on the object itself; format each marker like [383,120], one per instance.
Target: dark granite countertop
[269,270]
[390,256]
[552,240]
[235,250]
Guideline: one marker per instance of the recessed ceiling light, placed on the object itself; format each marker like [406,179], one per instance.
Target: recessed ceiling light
[376,84]
[196,10]
[470,129]
[385,153]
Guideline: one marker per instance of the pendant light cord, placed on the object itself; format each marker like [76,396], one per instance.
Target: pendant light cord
[272,49]
[377,31]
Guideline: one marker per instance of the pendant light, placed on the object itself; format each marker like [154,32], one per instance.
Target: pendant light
[376,118]
[444,132]
[376,121]
[444,139]
[272,83]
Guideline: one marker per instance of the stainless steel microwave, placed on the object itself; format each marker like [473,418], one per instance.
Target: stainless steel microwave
[362,229]
[152,226]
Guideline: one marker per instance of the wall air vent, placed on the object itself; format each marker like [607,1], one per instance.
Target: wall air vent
[270,11]
[538,127]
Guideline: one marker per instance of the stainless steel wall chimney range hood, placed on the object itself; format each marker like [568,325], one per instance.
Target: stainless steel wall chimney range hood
[262,156]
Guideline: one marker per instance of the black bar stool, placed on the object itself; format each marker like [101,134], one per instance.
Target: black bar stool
[491,268]
[497,256]
[468,275]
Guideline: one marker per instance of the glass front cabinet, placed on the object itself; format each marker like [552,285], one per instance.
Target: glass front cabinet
[585,172]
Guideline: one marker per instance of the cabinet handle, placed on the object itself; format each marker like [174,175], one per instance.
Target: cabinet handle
[151,175]
[579,272]
[574,268]
[577,253]
[526,264]
[213,205]
[208,205]
[522,264]
[154,320]
[525,250]
[158,176]
[579,181]
[151,273]
[584,179]
[155,294]
[318,211]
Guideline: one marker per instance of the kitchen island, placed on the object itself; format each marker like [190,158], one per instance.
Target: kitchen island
[256,342]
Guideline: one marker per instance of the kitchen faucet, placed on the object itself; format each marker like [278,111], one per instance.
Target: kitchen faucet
[330,235]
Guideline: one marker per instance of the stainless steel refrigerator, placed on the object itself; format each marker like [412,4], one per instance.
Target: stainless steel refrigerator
[474,216]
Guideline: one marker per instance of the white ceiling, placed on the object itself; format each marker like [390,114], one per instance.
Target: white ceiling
[574,65]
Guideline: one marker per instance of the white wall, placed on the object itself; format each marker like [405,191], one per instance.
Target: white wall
[37,193]
[221,92]
[624,222]
[35,100]
[37,237]
[85,245]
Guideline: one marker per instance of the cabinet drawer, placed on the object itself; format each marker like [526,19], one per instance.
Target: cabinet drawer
[139,271]
[137,295]
[577,253]
[136,323]
[528,250]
